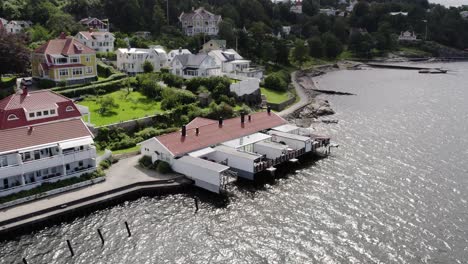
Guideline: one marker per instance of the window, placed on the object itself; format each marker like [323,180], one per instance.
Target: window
[69,108]
[80,163]
[46,112]
[3,161]
[88,59]
[61,60]
[77,71]
[52,111]
[63,72]
[38,114]
[67,167]
[12,117]
[89,70]
[74,59]
[32,115]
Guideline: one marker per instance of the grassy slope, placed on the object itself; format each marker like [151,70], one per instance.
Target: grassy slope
[275,96]
[131,107]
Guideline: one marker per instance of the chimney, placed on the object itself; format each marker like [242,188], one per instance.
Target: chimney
[90,30]
[197,131]
[184,131]
[220,121]
[269,109]
[63,35]
[250,118]
[242,118]
[25,91]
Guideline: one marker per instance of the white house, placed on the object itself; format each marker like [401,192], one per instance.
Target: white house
[328,11]
[175,52]
[131,60]
[399,13]
[296,6]
[407,36]
[199,21]
[234,65]
[42,140]
[351,5]
[195,65]
[3,21]
[464,14]
[98,41]
[286,30]
[210,151]
[17,26]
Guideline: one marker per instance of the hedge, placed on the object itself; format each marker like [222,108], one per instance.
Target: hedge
[108,87]
[8,84]
[113,77]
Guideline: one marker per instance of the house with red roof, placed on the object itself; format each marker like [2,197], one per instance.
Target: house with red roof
[64,59]
[42,139]
[213,152]
[97,40]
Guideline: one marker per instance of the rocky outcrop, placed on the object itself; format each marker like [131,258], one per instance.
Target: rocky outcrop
[318,107]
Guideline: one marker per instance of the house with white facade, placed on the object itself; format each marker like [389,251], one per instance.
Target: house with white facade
[199,21]
[97,40]
[213,152]
[171,55]
[234,65]
[247,91]
[42,140]
[464,14]
[195,65]
[95,24]
[296,6]
[131,60]
[213,44]
[407,36]
[17,26]
[328,11]
[3,21]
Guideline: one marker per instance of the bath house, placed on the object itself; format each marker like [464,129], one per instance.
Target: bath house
[214,153]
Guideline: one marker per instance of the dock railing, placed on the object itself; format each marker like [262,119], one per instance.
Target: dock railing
[292,154]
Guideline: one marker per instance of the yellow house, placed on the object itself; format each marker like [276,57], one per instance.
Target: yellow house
[64,60]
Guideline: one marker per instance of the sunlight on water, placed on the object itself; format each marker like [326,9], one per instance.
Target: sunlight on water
[395,191]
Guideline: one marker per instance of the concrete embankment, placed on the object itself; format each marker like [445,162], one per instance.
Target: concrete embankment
[125,181]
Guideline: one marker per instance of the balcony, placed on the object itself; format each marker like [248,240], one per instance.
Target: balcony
[11,170]
[69,157]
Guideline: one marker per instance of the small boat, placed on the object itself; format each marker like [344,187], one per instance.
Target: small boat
[330,121]
[424,71]
[433,71]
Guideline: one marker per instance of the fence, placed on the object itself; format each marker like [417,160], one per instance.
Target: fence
[281,106]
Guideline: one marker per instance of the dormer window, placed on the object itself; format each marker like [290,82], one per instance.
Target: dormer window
[12,117]
[69,109]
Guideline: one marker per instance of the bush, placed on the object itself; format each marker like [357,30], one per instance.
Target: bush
[148,67]
[8,84]
[105,164]
[275,82]
[173,98]
[107,55]
[172,80]
[46,84]
[108,87]
[163,167]
[104,70]
[145,162]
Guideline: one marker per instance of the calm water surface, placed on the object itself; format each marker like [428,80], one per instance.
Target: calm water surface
[396,191]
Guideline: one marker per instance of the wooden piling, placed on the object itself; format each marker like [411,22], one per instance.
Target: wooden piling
[101,236]
[70,248]
[24,261]
[196,203]
[128,229]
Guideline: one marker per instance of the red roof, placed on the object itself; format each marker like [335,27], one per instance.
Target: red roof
[64,46]
[25,137]
[16,104]
[212,133]
[199,122]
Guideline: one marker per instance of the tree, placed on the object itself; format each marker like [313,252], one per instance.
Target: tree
[159,19]
[300,52]
[106,104]
[316,49]
[361,44]
[14,56]
[226,32]
[38,33]
[275,82]
[333,46]
[62,22]
[148,67]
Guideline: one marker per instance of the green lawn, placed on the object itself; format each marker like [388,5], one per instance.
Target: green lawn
[275,97]
[134,106]
[123,151]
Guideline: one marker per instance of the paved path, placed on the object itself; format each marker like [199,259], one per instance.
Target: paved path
[125,172]
[304,98]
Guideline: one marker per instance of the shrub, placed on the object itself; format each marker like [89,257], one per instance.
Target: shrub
[172,80]
[145,162]
[105,164]
[46,84]
[274,81]
[148,67]
[173,98]
[113,77]
[163,167]
[108,87]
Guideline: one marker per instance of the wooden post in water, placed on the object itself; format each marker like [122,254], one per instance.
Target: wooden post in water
[24,261]
[128,229]
[196,203]
[100,235]
[70,248]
